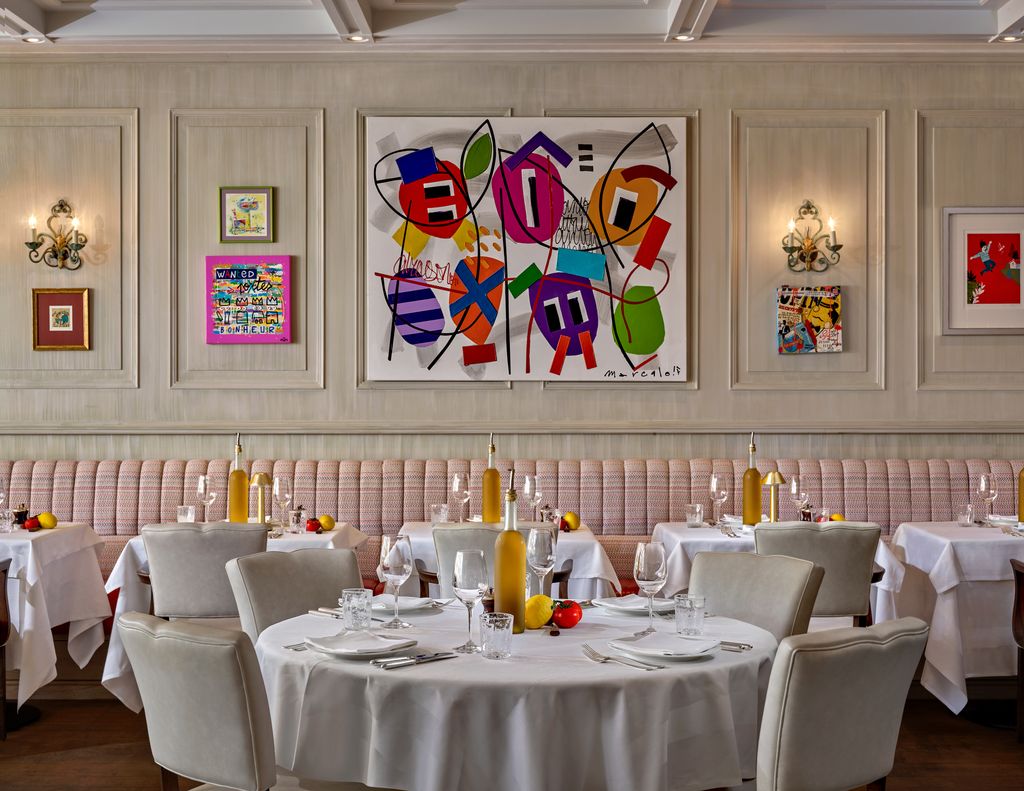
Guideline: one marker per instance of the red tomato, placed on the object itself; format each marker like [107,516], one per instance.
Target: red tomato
[312,525]
[567,614]
[32,524]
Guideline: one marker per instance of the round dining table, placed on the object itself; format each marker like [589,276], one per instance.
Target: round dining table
[545,718]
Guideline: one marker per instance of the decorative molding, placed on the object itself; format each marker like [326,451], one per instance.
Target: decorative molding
[799,375]
[126,375]
[308,324]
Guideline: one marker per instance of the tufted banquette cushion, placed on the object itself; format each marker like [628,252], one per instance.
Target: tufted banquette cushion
[621,500]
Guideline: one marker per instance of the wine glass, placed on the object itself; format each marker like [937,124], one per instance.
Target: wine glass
[531,490]
[649,571]
[988,491]
[719,494]
[396,567]
[469,581]
[798,494]
[204,488]
[540,553]
[283,495]
[460,491]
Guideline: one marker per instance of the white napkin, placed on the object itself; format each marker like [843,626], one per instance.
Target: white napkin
[356,643]
[386,601]
[634,602]
[665,644]
[997,519]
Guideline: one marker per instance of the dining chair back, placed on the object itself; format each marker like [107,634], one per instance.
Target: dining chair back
[1017,623]
[5,635]
[206,706]
[271,587]
[186,566]
[450,540]
[771,591]
[845,550]
[834,705]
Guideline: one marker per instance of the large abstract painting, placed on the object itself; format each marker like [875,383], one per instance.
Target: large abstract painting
[525,248]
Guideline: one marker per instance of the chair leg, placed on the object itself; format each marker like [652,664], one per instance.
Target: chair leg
[3,694]
[877,785]
[168,780]
[862,621]
[1020,695]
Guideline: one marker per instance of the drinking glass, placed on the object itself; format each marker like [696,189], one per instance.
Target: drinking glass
[496,635]
[283,494]
[694,515]
[689,614]
[438,513]
[540,553]
[460,491]
[965,515]
[531,490]
[719,494]
[186,513]
[649,571]
[797,493]
[204,488]
[6,521]
[355,609]
[296,520]
[987,491]
[469,582]
[396,567]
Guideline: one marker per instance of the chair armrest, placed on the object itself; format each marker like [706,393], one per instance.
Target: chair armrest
[144,577]
[561,579]
[877,573]
[427,578]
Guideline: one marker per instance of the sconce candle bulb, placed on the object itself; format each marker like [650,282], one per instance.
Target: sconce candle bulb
[807,246]
[64,248]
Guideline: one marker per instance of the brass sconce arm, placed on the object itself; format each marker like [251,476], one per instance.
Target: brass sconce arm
[65,240]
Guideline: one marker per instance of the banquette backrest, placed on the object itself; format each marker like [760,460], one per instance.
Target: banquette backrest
[615,497]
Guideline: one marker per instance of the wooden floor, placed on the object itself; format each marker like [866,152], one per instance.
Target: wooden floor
[101,745]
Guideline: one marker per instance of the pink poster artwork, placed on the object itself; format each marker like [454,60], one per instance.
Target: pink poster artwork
[248,299]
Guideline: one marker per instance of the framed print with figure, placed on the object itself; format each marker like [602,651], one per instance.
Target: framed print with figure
[60,319]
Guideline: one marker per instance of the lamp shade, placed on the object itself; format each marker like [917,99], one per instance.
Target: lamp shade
[773,478]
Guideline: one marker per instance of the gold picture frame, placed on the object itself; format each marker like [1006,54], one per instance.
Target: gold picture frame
[71,308]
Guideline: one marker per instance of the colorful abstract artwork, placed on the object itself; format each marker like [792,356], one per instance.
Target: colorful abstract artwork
[248,299]
[810,319]
[993,268]
[246,214]
[525,248]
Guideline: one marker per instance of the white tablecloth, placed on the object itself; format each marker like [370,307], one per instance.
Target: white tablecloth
[134,596]
[959,580]
[593,575]
[548,718]
[682,543]
[54,579]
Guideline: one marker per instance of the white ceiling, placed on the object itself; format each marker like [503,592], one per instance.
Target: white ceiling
[455,26]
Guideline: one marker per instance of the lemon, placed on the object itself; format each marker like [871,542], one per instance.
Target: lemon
[572,519]
[47,520]
[538,611]
[837,518]
[326,522]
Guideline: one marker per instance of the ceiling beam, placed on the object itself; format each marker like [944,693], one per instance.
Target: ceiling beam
[350,16]
[26,14]
[688,17]
[1009,17]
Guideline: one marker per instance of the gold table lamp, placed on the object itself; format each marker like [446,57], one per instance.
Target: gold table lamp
[261,483]
[773,480]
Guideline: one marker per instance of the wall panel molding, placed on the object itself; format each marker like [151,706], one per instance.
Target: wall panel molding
[90,157]
[282,148]
[779,158]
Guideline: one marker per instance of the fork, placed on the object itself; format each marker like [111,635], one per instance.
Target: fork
[591,654]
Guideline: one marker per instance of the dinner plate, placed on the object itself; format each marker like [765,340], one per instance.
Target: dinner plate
[359,645]
[633,604]
[666,647]
[385,602]
[1002,521]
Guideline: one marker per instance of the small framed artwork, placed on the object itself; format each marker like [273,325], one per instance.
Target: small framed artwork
[981,293]
[60,319]
[248,299]
[247,214]
[810,319]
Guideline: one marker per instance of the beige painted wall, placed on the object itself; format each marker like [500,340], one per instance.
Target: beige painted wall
[882,146]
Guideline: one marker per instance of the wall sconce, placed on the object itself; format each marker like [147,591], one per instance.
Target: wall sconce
[807,245]
[65,239]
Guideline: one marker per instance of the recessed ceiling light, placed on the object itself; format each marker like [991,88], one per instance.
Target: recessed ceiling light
[682,37]
[1010,39]
[33,40]
[357,38]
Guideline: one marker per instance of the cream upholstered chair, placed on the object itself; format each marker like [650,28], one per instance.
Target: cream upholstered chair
[845,550]
[271,587]
[774,592]
[186,567]
[834,706]
[206,707]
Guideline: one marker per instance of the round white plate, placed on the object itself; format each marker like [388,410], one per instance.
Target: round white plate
[324,646]
[613,605]
[662,650]
[380,604]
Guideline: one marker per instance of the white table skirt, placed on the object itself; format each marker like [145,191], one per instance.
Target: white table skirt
[134,596]
[548,718]
[593,575]
[959,580]
[54,579]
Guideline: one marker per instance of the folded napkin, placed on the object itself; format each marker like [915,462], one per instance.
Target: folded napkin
[386,601]
[634,602]
[997,519]
[665,644]
[356,643]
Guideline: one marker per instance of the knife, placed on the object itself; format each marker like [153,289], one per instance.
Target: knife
[390,659]
[416,661]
